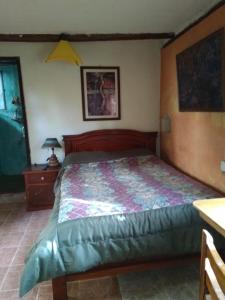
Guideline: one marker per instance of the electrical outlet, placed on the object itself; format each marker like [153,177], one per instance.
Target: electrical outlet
[222,165]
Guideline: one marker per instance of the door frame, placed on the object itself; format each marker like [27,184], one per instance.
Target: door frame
[16,60]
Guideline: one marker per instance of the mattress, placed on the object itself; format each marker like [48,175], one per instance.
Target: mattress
[117,210]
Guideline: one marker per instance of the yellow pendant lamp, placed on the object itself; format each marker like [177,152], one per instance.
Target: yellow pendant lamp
[64,52]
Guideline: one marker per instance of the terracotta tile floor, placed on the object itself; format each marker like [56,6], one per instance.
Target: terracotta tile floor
[18,231]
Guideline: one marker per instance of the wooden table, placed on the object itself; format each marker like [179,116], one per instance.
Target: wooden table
[213,212]
[39,183]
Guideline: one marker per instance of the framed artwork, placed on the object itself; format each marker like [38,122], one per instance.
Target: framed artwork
[100,93]
[200,72]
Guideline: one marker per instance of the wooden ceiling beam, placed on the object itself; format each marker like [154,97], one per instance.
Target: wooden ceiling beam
[35,38]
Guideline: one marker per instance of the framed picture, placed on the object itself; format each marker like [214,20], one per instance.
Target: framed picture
[100,93]
[200,71]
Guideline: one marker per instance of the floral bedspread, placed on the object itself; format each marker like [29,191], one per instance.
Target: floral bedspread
[126,185]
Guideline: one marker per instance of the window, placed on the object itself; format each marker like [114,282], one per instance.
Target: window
[2,94]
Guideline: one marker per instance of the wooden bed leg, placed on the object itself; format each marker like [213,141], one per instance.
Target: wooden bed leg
[59,288]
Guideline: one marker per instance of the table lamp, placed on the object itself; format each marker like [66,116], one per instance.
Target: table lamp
[52,143]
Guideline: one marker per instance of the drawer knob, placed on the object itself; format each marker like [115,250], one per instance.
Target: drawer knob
[42,178]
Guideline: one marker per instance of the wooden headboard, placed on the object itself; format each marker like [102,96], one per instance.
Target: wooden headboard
[110,140]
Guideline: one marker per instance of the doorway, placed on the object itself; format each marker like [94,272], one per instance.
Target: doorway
[14,145]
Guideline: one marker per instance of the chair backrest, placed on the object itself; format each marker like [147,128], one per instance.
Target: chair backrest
[212,270]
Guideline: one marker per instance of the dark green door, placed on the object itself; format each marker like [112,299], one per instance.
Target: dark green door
[13,139]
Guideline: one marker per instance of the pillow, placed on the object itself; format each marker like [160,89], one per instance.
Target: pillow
[94,156]
[130,153]
[85,157]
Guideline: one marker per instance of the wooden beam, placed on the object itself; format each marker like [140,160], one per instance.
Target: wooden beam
[35,38]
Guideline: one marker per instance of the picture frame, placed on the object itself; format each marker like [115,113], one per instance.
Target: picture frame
[200,75]
[100,87]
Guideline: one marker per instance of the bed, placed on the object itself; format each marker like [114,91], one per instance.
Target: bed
[122,210]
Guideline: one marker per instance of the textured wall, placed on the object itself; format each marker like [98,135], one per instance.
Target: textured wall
[196,143]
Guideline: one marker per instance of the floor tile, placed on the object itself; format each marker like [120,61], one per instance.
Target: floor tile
[29,238]
[10,239]
[42,213]
[18,215]
[105,288]
[14,295]
[38,226]
[11,206]
[3,215]
[11,282]
[20,255]
[6,256]
[49,282]
[12,279]
[32,295]
[9,295]
[3,271]
[14,227]
[46,297]
[45,292]
[12,198]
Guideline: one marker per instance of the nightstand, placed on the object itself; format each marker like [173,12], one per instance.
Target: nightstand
[39,184]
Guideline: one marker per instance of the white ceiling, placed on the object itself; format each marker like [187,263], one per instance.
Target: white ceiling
[99,16]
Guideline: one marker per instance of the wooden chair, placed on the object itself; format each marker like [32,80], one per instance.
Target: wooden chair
[212,270]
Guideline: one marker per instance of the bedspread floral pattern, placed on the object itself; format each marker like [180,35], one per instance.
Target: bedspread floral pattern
[125,185]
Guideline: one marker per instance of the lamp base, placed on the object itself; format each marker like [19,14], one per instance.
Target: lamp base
[53,161]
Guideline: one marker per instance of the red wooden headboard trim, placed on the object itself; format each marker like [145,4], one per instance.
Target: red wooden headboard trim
[110,140]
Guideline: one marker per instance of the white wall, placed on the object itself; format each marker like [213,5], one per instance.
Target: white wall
[53,91]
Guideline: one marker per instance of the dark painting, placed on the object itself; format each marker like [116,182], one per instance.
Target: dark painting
[100,93]
[200,71]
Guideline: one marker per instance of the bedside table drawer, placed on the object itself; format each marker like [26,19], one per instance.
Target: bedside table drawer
[37,178]
[40,196]
[39,184]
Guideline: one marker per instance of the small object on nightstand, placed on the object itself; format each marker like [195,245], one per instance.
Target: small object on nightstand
[52,143]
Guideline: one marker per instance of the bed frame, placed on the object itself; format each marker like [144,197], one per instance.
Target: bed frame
[111,140]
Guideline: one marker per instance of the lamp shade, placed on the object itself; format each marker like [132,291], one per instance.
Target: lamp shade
[64,52]
[51,143]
